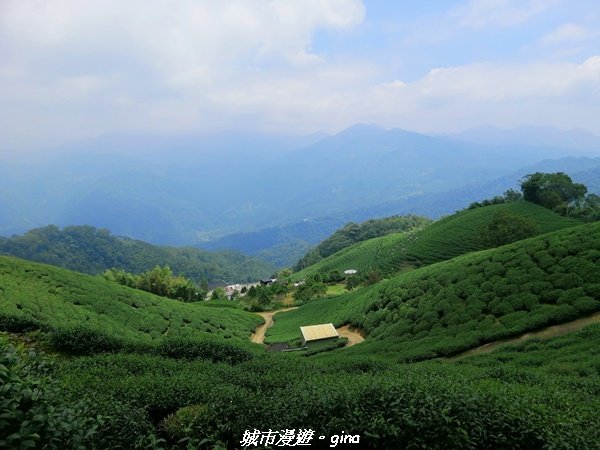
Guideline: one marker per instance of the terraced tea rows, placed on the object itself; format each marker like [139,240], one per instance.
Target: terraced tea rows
[442,240]
[56,298]
[454,305]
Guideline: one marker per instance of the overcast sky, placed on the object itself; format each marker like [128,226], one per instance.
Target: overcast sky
[78,68]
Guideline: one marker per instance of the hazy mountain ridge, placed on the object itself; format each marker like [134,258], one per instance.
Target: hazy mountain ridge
[575,138]
[582,169]
[185,190]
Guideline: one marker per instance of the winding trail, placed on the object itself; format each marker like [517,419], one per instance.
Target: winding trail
[258,337]
[353,336]
[544,333]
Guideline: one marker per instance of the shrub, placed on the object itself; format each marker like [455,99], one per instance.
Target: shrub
[506,227]
[80,340]
[14,323]
[182,348]
[31,411]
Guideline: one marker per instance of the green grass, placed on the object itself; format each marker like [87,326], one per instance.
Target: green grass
[337,310]
[442,240]
[60,298]
[335,290]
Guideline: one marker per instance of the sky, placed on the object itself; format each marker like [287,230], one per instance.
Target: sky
[71,69]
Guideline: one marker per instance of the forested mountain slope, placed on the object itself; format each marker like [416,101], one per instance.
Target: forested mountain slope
[90,250]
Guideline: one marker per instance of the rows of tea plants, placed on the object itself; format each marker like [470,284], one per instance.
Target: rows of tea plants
[37,295]
[448,307]
[454,305]
[428,405]
[379,254]
[575,355]
[461,233]
[447,238]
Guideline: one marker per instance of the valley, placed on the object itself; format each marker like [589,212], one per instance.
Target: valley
[263,224]
[481,335]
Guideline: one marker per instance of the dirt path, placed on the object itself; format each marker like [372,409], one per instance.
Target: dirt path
[546,333]
[258,336]
[353,336]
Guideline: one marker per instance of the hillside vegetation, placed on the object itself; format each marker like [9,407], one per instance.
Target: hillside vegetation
[177,394]
[444,239]
[543,395]
[35,295]
[353,233]
[127,369]
[454,305]
[91,250]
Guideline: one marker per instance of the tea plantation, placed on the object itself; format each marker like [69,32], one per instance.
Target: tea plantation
[444,239]
[458,304]
[34,295]
[85,363]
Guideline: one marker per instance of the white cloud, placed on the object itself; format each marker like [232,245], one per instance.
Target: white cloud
[561,94]
[71,69]
[503,13]
[568,33]
[139,56]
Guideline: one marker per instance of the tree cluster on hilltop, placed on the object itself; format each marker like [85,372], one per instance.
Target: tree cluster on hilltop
[160,281]
[558,192]
[555,191]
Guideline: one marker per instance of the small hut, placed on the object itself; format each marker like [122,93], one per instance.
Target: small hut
[318,333]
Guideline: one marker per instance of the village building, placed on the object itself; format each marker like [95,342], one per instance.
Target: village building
[318,333]
[232,289]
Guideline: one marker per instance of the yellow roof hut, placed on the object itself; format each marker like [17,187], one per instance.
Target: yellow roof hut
[314,333]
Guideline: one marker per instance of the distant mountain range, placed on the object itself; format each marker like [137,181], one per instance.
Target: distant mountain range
[273,244]
[189,190]
[576,138]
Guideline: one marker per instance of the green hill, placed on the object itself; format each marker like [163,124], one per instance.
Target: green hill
[353,233]
[533,395]
[57,298]
[458,304]
[91,250]
[444,239]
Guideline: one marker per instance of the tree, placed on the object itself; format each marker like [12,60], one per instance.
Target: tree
[310,290]
[506,227]
[218,294]
[555,191]
[512,195]
[284,273]
[589,210]
[159,281]
[263,296]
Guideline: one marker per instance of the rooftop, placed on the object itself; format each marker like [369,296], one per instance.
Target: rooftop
[316,332]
